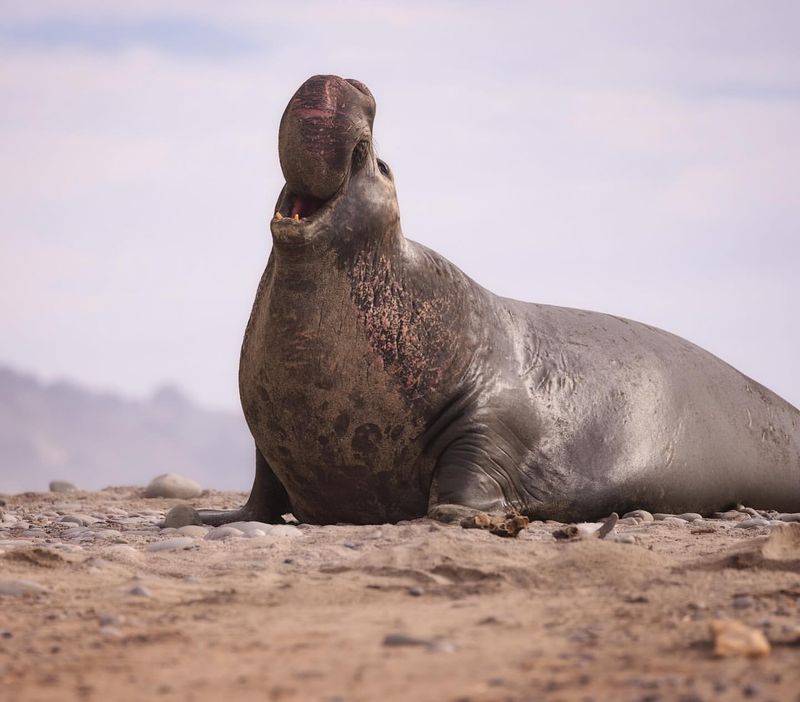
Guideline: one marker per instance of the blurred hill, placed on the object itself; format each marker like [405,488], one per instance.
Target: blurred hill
[61,430]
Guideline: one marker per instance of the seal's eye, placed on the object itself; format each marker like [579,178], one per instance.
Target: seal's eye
[383,168]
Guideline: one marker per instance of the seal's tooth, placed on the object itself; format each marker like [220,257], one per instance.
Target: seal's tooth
[278,215]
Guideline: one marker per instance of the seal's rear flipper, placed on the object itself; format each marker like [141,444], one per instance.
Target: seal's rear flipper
[268,501]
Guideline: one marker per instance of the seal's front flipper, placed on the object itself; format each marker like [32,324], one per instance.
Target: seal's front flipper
[461,490]
[268,501]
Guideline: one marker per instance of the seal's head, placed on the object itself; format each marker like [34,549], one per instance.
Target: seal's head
[336,189]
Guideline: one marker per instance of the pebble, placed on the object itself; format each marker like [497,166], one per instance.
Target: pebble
[197,532]
[179,543]
[13,543]
[743,602]
[730,515]
[140,591]
[108,534]
[223,532]
[623,538]
[790,517]
[182,515]
[732,638]
[18,588]
[63,507]
[82,519]
[753,523]
[173,485]
[691,516]
[62,486]
[108,619]
[675,521]
[642,514]
[284,531]
[434,645]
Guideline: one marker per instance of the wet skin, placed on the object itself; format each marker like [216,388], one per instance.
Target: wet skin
[381,383]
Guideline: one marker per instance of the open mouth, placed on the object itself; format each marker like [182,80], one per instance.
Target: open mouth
[295,207]
[299,207]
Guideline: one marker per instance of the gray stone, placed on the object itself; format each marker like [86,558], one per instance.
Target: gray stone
[182,515]
[730,515]
[62,486]
[196,532]
[223,532]
[140,591]
[690,516]
[754,523]
[179,543]
[642,514]
[674,521]
[18,588]
[284,531]
[173,485]
[82,519]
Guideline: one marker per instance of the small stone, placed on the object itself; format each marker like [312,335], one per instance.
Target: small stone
[182,515]
[223,532]
[173,485]
[111,632]
[196,532]
[642,514]
[179,543]
[284,531]
[82,519]
[19,588]
[434,645]
[107,619]
[140,591]
[623,538]
[674,521]
[416,591]
[754,523]
[732,638]
[743,601]
[62,486]
[795,517]
[690,516]
[730,515]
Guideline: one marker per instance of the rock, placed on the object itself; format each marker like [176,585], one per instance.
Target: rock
[753,523]
[19,588]
[790,517]
[107,619]
[173,485]
[182,515]
[674,521]
[743,601]
[196,532]
[284,531]
[179,543]
[140,591]
[783,543]
[642,514]
[435,645]
[62,486]
[730,515]
[732,638]
[690,516]
[81,519]
[223,532]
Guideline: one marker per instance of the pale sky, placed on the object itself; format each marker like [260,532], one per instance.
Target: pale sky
[637,158]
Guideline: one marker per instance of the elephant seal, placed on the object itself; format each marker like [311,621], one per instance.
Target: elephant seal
[381,383]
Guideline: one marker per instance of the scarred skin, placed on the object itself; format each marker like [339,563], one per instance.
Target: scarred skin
[380,383]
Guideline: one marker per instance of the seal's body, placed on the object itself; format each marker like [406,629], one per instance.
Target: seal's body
[381,383]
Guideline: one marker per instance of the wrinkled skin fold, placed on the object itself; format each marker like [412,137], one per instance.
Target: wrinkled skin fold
[381,383]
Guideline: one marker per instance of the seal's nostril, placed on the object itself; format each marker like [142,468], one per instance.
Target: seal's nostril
[359,86]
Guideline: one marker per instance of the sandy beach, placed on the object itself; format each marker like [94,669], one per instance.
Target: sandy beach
[97,602]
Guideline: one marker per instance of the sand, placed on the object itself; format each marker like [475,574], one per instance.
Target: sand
[412,611]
